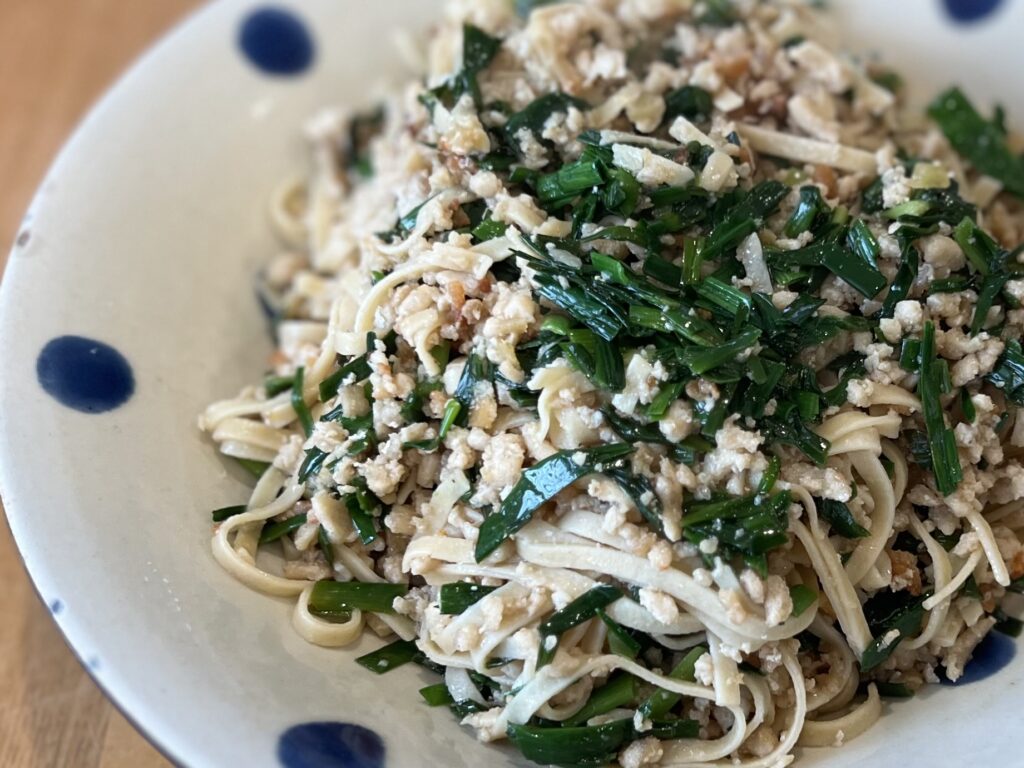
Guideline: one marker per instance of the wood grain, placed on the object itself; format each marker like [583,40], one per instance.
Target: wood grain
[56,57]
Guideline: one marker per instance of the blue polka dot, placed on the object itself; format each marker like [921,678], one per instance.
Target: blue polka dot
[330,745]
[993,653]
[85,374]
[56,606]
[966,11]
[277,42]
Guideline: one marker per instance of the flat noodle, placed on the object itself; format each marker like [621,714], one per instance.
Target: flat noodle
[839,730]
[880,487]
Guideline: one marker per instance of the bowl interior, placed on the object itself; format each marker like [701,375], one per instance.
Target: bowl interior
[147,236]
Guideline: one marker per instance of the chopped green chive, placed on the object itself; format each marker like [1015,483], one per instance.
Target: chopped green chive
[340,597]
[537,485]
[620,690]
[458,596]
[224,513]
[389,657]
[803,597]
[583,608]
[299,402]
[276,530]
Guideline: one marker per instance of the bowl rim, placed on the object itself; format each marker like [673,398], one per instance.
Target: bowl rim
[75,635]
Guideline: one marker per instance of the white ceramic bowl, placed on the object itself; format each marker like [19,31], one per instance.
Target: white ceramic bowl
[147,235]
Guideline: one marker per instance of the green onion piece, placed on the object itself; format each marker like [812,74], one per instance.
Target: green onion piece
[534,116]
[441,354]
[894,691]
[451,413]
[839,516]
[476,371]
[909,209]
[489,229]
[254,468]
[537,485]
[224,513]
[718,13]
[619,691]
[981,141]
[458,596]
[905,277]
[358,368]
[803,597]
[691,102]
[770,476]
[621,194]
[276,530]
[569,181]
[1008,625]
[910,351]
[799,435]
[721,294]
[905,619]
[389,657]
[556,324]
[362,519]
[953,284]
[662,401]
[311,464]
[807,210]
[331,597]
[583,608]
[580,746]
[808,404]
[660,703]
[620,641]
[436,695]
[692,260]
[967,406]
[1008,375]
[990,289]
[640,491]
[859,274]
[275,385]
[700,361]
[744,218]
[667,730]
[977,246]
[324,542]
[599,360]
[863,243]
[299,402]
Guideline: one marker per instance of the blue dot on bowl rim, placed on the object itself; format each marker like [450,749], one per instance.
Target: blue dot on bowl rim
[276,41]
[85,374]
[991,656]
[330,745]
[966,11]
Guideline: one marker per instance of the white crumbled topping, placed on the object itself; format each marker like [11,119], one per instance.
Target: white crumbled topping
[650,169]
[661,605]
[825,482]
[704,670]
[778,605]
[646,751]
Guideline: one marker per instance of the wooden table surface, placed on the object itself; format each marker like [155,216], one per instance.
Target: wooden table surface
[56,58]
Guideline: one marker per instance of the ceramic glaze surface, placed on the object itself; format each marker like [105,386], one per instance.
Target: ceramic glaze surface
[110,355]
